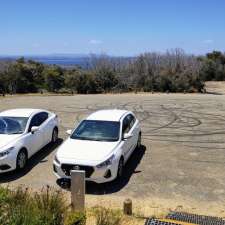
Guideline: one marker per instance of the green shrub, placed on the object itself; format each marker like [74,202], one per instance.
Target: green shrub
[20,207]
[64,91]
[51,206]
[3,198]
[75,218]
[3,194]
[106,216]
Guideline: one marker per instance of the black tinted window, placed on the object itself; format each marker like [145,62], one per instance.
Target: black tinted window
[38,119]
[126,125]
[42,117]
[131,120]
[34,122]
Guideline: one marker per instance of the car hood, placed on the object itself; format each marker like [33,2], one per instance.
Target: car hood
[6,139]
[85,150]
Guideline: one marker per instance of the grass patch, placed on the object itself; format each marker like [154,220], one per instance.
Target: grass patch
[106,216]
[75,218]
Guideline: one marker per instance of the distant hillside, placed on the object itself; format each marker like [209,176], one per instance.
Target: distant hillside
[57,59]
[65,60]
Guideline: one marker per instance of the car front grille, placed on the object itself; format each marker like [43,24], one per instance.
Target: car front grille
[68,167]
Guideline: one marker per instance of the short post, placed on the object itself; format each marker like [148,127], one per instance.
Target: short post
[127,207]
[78,190]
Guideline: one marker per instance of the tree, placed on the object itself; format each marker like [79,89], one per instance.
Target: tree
[53,76]
[81,82]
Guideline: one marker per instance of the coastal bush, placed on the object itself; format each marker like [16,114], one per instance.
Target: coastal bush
[172,71]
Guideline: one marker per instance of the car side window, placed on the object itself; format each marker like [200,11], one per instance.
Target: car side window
[38,119]
[128,123]
[42,117]
[132,120]
[126,126]
[34,122]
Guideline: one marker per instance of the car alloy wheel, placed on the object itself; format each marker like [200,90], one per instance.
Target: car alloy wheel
[21,160]
[54,135]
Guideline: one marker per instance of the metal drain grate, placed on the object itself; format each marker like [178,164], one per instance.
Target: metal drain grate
[158,222]
[196,219]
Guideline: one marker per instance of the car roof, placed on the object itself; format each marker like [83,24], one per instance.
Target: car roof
[108,115]
[20,112]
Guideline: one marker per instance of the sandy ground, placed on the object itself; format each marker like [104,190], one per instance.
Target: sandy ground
[180,166]
[215,87]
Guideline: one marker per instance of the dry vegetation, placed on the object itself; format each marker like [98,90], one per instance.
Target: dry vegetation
[49,207]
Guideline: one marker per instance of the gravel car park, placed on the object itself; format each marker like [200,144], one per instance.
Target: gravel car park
[181,161]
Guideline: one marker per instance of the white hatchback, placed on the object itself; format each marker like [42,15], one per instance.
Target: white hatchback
[22,133]
[100,145]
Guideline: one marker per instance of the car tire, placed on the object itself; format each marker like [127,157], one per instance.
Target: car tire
[21,160]
[54,135]
[120,169]
[139,141]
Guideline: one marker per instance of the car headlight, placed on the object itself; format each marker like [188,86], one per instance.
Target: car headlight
[106,162]
[6,152]
[56,160]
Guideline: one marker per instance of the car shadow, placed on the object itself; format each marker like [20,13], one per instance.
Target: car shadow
[116,185]
[37,158]
[213,93]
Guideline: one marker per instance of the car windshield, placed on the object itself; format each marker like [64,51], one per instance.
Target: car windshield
[12,125]
[95,130]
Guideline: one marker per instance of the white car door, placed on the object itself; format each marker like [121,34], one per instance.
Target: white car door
[134,130]
[127,143]
[46,127]
[35,141]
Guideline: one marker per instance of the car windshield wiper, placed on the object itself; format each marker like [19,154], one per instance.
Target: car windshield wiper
[93,139]
[96,139]
[79,138]
[103,140]
[16,132]
[87,139]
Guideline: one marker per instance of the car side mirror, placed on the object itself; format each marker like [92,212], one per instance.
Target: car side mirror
[127,136]
[34,129]
[69,132]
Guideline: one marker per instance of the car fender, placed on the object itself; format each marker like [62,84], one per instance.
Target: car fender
[21,143]
[118,152]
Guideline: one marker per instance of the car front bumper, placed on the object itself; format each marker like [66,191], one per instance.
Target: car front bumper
[99,175]
[7,163]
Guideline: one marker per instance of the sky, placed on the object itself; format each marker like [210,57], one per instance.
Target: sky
[116,27]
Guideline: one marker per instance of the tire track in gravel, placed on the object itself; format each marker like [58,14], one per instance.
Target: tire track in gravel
[176,120]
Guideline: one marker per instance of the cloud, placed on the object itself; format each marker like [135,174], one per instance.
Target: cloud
[95,42]
[208,41]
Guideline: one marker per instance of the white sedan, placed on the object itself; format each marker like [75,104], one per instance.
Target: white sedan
[100,145]
[22,133]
